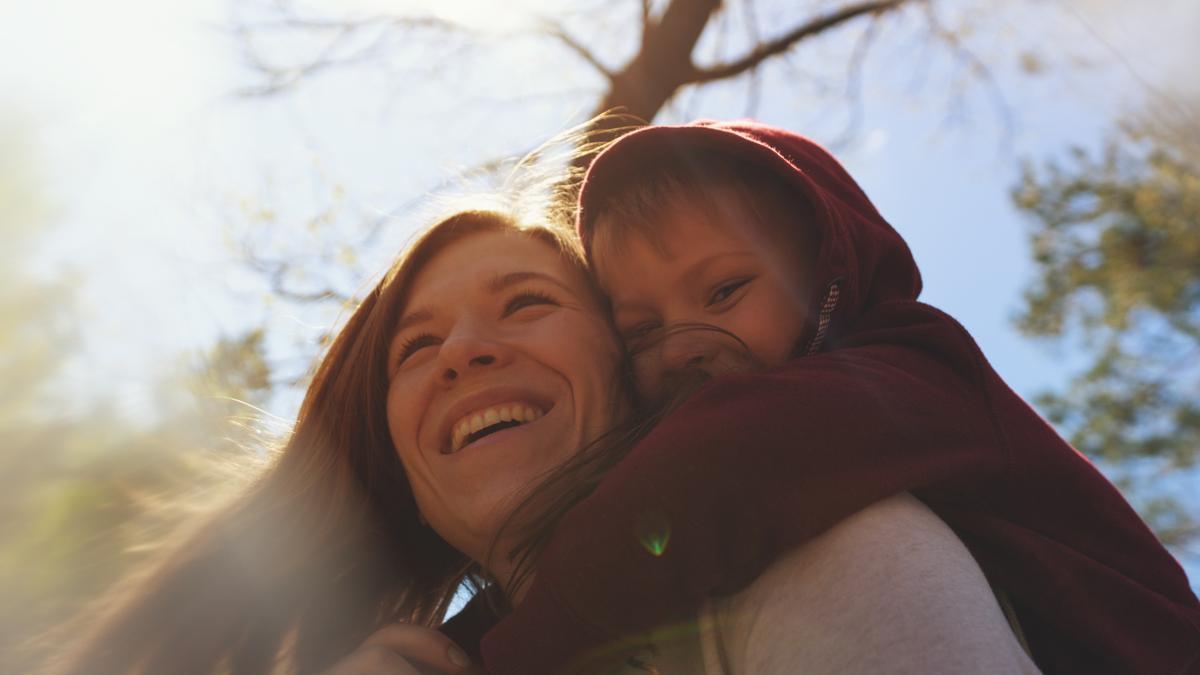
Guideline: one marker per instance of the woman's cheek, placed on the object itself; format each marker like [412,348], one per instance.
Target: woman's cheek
[574,332]
[406,404]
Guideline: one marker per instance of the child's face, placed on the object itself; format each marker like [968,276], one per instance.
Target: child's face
[725,269]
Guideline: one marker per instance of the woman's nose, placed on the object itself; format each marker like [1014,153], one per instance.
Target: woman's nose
[470,349]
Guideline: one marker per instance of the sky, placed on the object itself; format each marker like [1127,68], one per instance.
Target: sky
[153,166]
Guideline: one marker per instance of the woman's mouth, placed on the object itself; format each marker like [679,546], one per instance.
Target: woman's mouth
[486,421]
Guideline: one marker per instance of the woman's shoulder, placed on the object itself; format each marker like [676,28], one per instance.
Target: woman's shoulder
[888,588]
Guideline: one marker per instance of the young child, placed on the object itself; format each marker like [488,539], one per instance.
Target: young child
[759,242]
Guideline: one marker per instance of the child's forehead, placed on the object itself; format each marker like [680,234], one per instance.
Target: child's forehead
[663,232]
[677,220]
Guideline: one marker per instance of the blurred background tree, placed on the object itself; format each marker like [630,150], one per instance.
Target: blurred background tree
[643,56]
[89,492]
[641,60]
[1116,240]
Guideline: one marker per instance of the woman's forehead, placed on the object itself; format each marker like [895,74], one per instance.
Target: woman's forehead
[476,258]
[489,263]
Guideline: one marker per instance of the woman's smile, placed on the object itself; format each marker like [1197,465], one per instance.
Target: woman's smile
[497,425]
[488,392]
[480,414]
[494,419]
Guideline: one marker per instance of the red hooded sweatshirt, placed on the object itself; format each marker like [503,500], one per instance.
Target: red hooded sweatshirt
[896,397]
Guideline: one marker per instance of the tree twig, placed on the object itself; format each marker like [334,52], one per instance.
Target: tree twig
[279,79]
[854,82]
[754,85]
[558,31]
[783,43]
[977,67]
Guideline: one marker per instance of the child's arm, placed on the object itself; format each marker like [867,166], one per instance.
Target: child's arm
[749,468]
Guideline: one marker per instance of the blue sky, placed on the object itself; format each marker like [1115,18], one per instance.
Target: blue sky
[151,165]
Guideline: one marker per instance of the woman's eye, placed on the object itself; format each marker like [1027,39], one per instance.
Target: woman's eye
[415,344]
[528,299]
[725,290]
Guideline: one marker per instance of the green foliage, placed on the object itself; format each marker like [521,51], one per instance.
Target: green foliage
[89,497]
[87,492]
[1116,240]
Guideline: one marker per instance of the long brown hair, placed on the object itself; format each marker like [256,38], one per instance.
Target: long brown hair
[325,546]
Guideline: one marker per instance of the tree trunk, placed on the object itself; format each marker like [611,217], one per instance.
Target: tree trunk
[662,65]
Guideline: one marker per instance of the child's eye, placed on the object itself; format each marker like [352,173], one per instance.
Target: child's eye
[528,299]
[725,290]
[415,344]
[639,331]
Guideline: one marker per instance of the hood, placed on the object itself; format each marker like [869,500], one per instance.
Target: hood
[861,261]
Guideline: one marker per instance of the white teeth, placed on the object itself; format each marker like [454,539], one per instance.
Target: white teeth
[508,412]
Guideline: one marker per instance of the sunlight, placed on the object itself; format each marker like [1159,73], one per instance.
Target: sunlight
[484,16]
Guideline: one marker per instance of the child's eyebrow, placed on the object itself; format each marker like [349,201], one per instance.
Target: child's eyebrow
[697,269]
[690,277]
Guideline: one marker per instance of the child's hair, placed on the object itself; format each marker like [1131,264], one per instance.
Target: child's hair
[638,203]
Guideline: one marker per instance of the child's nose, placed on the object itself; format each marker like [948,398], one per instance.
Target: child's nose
[692,349]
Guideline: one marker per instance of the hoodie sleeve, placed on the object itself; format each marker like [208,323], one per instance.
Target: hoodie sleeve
[750,467]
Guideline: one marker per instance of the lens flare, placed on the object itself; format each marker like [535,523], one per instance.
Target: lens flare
[654,532]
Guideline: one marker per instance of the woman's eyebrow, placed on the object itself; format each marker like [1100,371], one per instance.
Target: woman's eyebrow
[495,285]
[503,281]
[410,320]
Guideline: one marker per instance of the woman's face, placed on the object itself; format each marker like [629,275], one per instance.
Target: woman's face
[502,367]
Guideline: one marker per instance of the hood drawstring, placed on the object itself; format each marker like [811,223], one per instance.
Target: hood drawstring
[828,305]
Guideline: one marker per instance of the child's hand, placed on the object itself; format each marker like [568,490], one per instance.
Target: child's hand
[405,649]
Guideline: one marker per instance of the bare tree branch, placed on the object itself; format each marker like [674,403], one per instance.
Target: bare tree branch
[753,86]
[977,68]
[854,82]
[662,64]
[279,79]
[278,271]
[558,31]
[783,43]
[290,21]
[336,51]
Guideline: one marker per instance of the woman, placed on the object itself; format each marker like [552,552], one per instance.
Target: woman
[480,362]
[328,545]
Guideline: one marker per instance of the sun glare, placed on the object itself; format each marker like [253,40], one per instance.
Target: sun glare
[485,16]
